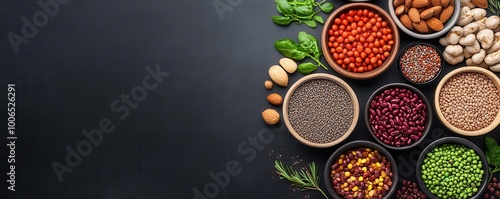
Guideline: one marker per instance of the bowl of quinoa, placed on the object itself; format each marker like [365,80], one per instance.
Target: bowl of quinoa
[420,63]
[320,110]
[467,101]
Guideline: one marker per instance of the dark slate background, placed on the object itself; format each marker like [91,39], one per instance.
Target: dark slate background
[203,117]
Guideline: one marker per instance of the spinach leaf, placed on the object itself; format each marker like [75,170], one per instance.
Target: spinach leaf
[310,23]
[289,48]
[281,20]
[284,7]
[306,68]
[304,11]
[326,7]
[319,19]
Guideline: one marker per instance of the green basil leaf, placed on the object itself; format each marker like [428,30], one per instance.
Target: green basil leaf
[289,49]
[281,20]
[304,11]
[306,68]
[326,7]
[304,37]
[318,19]
[284,7]
[310,23]
[490,143]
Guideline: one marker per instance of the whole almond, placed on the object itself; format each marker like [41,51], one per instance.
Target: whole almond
[268,84]
[436,2]
[480,3]
[406,21]
[445,3]
[434,24]
[288,64]
[419,3]
[426,14]
[275,99]
[399,10]
[446,14]
[437,10]
[278,75]
[421,27]
[397,3]
[271,116]
[414,15]
[407,5]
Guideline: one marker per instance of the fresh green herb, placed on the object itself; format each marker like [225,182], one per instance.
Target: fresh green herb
[306,179]
[494,7]
[307,47]
[492,155]
[301,11]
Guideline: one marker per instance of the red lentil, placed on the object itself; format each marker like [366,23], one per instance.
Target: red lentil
[420,63]
[360,40]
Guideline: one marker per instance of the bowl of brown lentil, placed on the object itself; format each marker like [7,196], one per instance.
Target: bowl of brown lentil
[467,101]
[421,63]
[361,169]
[320,110]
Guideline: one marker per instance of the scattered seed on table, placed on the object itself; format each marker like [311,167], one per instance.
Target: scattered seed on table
[469,101]
[320,111]
[420,63]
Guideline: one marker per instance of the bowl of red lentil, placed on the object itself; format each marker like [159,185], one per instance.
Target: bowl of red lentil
[360,40]
[320,110]
[398,116]
[467,101]
[361,169]
[421,63]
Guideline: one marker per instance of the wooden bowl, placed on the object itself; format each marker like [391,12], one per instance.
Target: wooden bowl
[365,75]
[343,84]
[440,114]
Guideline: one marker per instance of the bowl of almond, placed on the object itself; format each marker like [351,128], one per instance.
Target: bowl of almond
[425,19]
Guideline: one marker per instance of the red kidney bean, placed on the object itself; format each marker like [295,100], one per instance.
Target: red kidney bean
[397,116]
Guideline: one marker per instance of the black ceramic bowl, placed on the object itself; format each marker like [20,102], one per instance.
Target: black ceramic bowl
[441,61]
[452,140]
[353,145]
[428,119]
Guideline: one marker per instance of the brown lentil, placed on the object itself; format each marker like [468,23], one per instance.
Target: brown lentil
[361,173]
[469,101]
[410,190]
[320,110]
[420,63]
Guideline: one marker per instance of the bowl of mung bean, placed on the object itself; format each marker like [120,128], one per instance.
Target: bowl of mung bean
[467,101]
[320,110]
[398,116]
[421,63]
[452,167]
[361,169]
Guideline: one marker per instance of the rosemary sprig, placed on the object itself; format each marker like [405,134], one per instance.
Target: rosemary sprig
[494,6]
[306,179]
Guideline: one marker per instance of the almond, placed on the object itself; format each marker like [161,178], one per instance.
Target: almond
[271,116]
[421,27]
[406,21]
[288,64]
[268,84]
[434,24]
[414,15]
[397,3]
[278,75]
[436,2]
[275,99]
[445,3]
[400,10]
[426,14]
[419,3]
[407,5]
[480,3]
[446,14]
[437,10]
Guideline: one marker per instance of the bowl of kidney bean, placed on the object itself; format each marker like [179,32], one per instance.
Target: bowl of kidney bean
[398,116]
[360,40]
[361,169]
[467,101]
[452,167]
[420,63]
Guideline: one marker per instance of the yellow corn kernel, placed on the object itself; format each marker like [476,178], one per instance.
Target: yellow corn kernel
[347,174]
[370,155]
[371,193]
[340,161]
[370,187]
[353,178]
[345,185]
[378,164]
[364,169]
[363,161]
[346,189]
[380,184]
[355,188]
[376,181]
[380,179]
[349,166]
[360,178]
[368,149]
[383,174]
